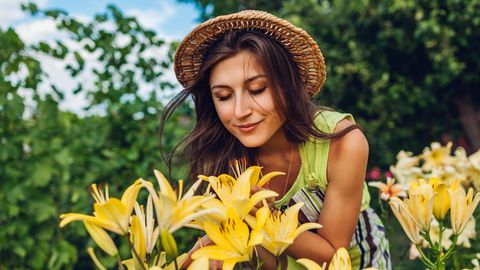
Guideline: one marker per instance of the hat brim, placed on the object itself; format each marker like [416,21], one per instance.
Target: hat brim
[304,50]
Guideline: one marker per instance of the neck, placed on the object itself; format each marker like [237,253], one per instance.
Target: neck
[278,148]
[279,154]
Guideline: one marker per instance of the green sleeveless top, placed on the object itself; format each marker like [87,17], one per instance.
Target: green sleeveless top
[314,158]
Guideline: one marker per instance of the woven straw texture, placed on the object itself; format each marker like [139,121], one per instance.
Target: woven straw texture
[304,50]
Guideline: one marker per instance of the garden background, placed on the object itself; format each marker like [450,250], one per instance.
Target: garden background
[407,70]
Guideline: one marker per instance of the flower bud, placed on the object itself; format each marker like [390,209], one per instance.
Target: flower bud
[441,202]
[168,243]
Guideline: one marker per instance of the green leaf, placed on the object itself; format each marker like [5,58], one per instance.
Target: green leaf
[42,175]
[292,264]
[43,210]
[21,252]
[64,157]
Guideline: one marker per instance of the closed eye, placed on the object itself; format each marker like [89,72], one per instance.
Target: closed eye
[223,98]
[258,91]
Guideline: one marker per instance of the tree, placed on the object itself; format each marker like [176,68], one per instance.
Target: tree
[49,157]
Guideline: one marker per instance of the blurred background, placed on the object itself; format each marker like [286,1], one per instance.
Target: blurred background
[83,85]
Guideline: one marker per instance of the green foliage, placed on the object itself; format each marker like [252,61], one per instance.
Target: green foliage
[49,156]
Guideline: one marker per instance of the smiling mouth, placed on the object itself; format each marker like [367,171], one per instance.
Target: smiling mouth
[248,127]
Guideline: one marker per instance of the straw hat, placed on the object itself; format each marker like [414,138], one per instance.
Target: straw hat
[304,50]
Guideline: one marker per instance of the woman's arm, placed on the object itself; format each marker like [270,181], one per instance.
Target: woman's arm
[346,168]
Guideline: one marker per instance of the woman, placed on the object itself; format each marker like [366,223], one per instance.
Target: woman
[251,76]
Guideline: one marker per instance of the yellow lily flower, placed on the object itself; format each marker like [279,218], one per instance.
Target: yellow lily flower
[233,240]
[240,166]
[174,212]
[311,265]
[420,204]
[441,201]
[214,217]
[147,224]
[94,258]
[163,261]
[132,264]
[436,156]
[235,193]
[137,237]
[101,238]
[281,229]
[468,233]
[341,260]
[403,215]
[168,243]
[109,213]
[199,264]
[472,169]
[462,207]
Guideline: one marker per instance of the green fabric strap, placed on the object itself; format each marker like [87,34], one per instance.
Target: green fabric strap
[314,157]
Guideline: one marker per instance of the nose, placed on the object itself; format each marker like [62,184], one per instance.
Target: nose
[243,106]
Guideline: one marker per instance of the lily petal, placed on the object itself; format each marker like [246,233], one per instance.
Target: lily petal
[101,238]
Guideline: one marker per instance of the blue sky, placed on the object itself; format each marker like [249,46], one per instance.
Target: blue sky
[167,17]
[181,17]
[171,20]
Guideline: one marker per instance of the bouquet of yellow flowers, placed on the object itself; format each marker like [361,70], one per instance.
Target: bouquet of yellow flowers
[223,212]
[438,183]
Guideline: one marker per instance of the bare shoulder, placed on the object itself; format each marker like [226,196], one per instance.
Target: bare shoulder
[349,151]
[354,141]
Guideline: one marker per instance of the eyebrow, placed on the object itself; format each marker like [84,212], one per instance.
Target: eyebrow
[247,81]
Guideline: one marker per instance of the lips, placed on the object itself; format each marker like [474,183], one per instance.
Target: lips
[248,127]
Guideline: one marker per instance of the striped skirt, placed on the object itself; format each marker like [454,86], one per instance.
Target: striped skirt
[369,246]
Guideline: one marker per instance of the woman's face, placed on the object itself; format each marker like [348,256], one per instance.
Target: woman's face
[243,100]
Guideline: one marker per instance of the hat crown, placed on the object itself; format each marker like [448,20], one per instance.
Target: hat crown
[303,49]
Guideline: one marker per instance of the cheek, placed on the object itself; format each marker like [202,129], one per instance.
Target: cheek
[266,104]
[224,111]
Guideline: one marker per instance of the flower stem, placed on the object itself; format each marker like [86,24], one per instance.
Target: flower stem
[175,263]
[119,262]
[426,236]
[424,258]
[440,255]
[159,251]
[258,265]
[456,264]
[135,254]
[451,249]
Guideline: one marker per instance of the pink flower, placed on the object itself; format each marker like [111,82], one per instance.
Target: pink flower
[389,189]
[374,174]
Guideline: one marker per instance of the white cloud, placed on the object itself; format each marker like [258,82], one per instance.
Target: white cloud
[147,18]
[10,11]
[153,18]
[36,30]
[156,19]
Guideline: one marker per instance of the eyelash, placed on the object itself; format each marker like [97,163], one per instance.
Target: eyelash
[258,91]
[223,98]
[252,92]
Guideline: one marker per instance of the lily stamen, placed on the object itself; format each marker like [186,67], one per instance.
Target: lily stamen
[97,193]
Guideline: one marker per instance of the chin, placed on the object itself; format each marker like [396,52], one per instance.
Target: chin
[251,143]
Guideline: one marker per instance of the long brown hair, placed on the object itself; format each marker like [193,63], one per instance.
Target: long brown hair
[210,146]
